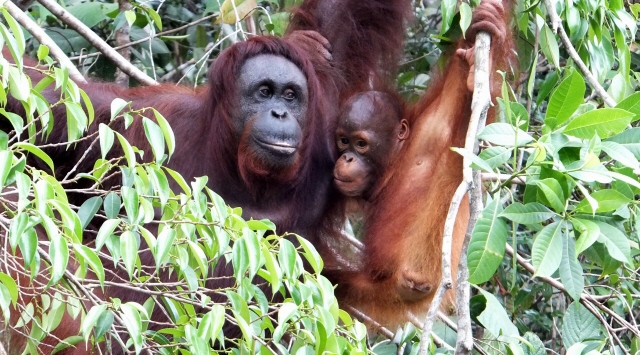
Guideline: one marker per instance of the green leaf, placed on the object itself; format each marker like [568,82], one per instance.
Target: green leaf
[92,258]
[616,242]
[90,320]
[106,139]
[546,252]
[129,251]
[448,9]
[16,30]
[531,213]
[589,233]
[571,270]
[631,104]
[565,99]
[465,17]
[605,122]
[494,317]
[163,246]
[608,200]
[112,205]
[11,288]
[496,156]
[88,210]
[287,258]
[629,139]
[128,151]
[6,159]
[155,137]
[549,45]
[106,230]
[579,325]
[620,153]
[58,250]
[131,203]
[505,134]
[553,193]
[37,152]
[487,244]
[166,131]
[133,323]
[311,254]
[535,346]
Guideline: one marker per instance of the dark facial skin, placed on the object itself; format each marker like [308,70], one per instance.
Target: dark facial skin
[369,135]
[272,109]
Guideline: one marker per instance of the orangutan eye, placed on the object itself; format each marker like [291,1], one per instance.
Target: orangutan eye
[289,95]
[344,140]
[264,91]
[361,143]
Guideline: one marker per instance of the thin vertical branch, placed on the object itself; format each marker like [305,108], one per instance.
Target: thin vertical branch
[122,39]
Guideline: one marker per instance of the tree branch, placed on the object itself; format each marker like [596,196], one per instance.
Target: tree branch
[97,42]
[556,25]
[38,33]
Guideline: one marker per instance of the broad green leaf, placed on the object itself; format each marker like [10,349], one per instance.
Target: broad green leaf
[505,134]
[465,17]
[88,210]
[565,99]
[131,203]
[160,184]
[287,258]
[156,138]
[535,346]
[589,233]
[494,317]
[169,137]
[631,104]
[240,258]
[546,252]
[92,259]
[629,139]
[531,213]
[6,159]
[311,254]
[11,288]
[133,323]
[232,11]
[620,153]
[16,30]
[37,152]
[106,139]
[571,270]
[129,250]
[616,242]
[106,230]
[163,246]
[112,205]
[549,45]
[608,200]
[553,193]
[604,122]
[90,320]
[487,244]
[579,325]
[496,156]
[58,250]
[477,163]
[128,151]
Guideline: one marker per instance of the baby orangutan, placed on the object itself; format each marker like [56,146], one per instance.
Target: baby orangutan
[370,133]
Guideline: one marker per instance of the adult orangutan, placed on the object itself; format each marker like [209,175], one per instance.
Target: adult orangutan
[261,130]
[407,183]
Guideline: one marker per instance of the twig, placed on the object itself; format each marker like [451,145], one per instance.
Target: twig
[38,33]
[160,34]
[471,181]
[97,42]
[479,108]
[445,281]
[585,299]
[122,39]
[556,25]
